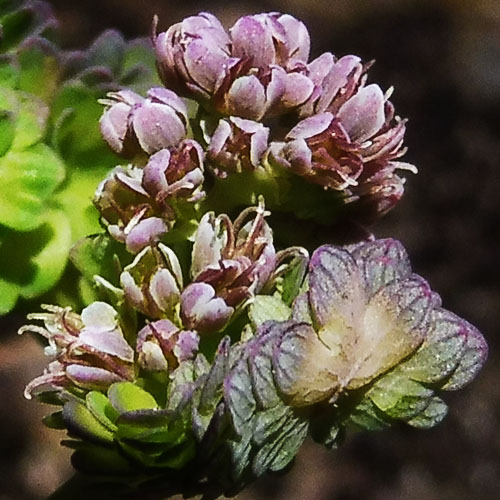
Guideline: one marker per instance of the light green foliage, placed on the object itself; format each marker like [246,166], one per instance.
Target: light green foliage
[268,307]
[52,156]
[39,256]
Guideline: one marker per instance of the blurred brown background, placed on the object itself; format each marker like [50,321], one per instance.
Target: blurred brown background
[443,58]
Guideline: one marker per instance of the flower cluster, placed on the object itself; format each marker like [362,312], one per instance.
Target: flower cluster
[348,137]
[248,84]
[211,349]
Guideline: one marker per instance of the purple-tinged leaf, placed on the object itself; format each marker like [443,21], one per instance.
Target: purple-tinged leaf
[441,350]
[260,362]
[473,358]
[336,291]
[303,365]
[435,411]
[239,398]
[381,261]
[269,422]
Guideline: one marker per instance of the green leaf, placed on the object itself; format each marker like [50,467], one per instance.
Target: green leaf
[178,457]
[126,396]
[240,455]
[151,426]
[54,421]
[32,262]
[268,307]
[277,453]
[76,136]
[28,179]
[99,405]
[367,416]
[39,68]
[96,255]
[80,421]
[29,114]
[15,26]
[435,412]
[398,396]
[9,293]
[291,280]
[51,260]
[51,397]
[75,197]
[31,121]
[87,292]
[7,130]
[9,73]
[269,422]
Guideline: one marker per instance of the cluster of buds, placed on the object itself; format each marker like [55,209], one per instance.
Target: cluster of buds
[89,350]
[248,72]
[139,205]
[133,124]
[231,263]
[348,139]
[344,137]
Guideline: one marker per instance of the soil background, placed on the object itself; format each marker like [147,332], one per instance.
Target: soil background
[443,58]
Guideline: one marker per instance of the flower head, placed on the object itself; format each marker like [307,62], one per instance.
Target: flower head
[237,145]
[192,54]
[88,350]
[175,174]
[153,282]
[127,211]
[355,150]
[248,72]
[161,346]
[140,205]
[132,124]
[236,258]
